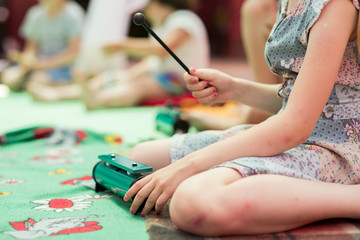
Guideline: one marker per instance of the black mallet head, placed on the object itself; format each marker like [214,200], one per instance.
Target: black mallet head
[139,19]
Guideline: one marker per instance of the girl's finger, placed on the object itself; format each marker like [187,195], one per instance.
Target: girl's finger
[205,74]
[136,187]
[160,203]
[150,201]
[208,99]
[197,86]
[204,93]
[190,79]
[192,71]
[141,197]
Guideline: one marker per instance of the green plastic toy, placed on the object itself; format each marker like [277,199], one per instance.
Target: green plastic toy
[117,174]
[169,121]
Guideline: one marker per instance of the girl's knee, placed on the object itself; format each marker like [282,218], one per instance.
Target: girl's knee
[207,210]
[187,210]
[193,209]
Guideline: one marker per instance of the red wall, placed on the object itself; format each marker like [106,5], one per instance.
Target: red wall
[17,9]
[222,19]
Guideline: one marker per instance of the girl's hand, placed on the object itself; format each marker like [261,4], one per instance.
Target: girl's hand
[210,86]
[157,187]
[26,60]
[30,62]
[14,56]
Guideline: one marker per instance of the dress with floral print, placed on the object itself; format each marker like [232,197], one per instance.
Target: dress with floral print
[332,153]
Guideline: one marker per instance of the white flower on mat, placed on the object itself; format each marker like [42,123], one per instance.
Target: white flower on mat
[62,204]
[98,197]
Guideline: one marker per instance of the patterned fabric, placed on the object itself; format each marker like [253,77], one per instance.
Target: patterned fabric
[332,152]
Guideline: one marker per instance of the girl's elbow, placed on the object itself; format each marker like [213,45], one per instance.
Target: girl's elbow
[303,138]
[298,128]
[302,134]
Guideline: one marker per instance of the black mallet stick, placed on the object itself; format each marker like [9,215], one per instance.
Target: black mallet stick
[139,20]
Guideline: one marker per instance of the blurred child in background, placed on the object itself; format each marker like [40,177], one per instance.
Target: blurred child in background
[52,31]
[157,74]
[257,20]
[106,21]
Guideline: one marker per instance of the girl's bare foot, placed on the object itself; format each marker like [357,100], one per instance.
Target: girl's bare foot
[14,78]
[87,94]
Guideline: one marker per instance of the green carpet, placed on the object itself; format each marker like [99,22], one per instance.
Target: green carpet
[44,190]
[18,111]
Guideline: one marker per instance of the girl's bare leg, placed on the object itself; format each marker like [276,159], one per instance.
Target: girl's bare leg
[14,78]
[152,153]
[41,88]
[219,202]
[125,94]
[107,78]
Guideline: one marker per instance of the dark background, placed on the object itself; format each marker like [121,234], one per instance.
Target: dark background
[222,20]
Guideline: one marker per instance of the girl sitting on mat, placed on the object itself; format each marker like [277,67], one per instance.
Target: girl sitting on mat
[157,74]
[300,165]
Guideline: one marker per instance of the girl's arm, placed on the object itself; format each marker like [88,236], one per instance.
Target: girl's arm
[219,87]
[145,47]
[26,58]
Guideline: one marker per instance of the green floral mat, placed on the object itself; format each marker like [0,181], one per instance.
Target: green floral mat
[46,188]
[45,184]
